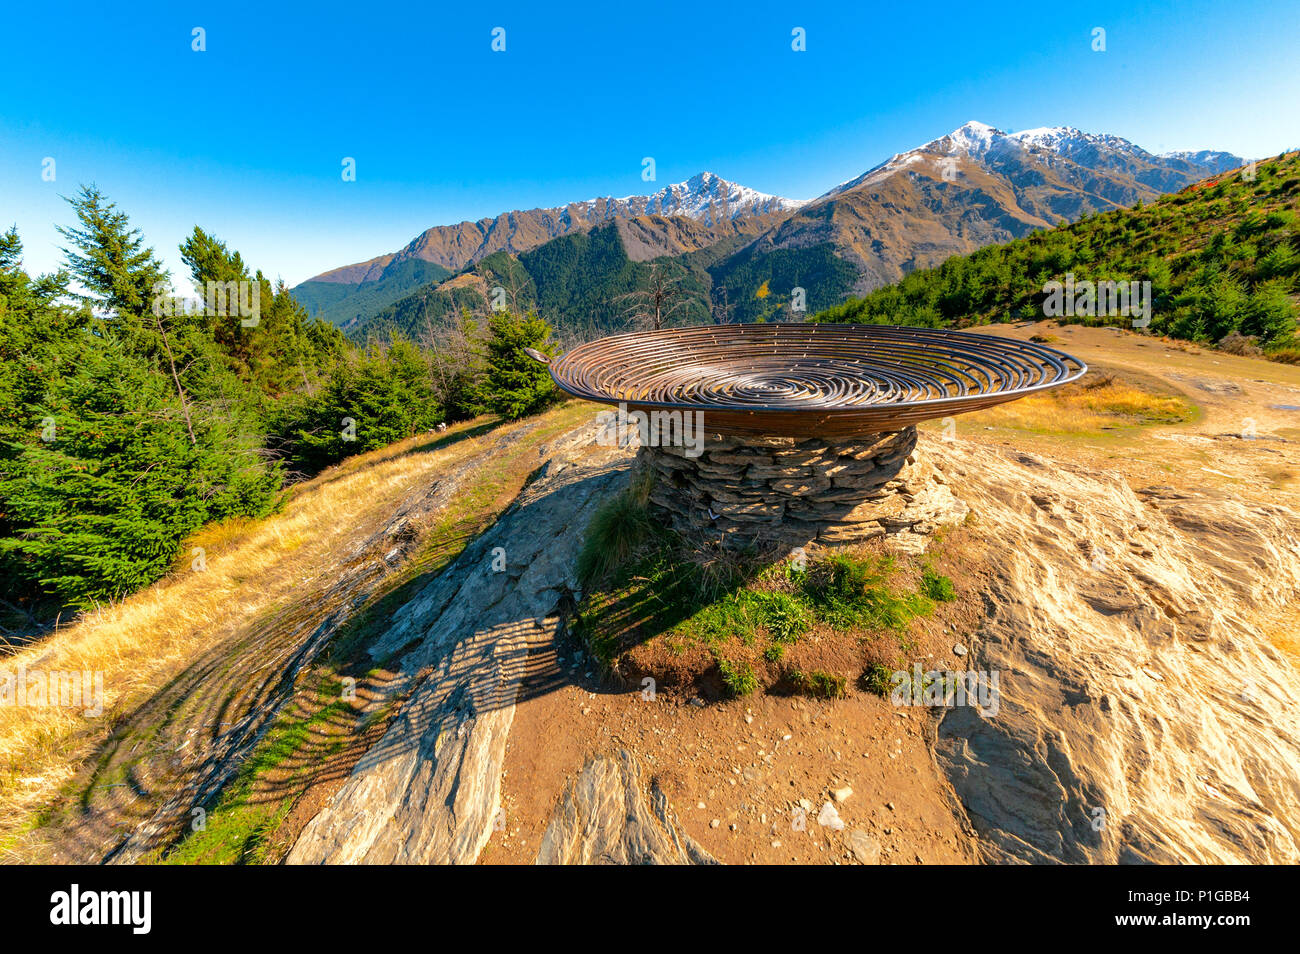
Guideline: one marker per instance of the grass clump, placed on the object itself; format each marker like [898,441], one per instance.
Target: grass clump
[878,679]
[850,592]
[937,587]
[619,528]
[819,684]
[738,677]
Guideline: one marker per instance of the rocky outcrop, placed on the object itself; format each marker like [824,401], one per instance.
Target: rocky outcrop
[1142,717]
[428,792]
[607,817]
[759,490]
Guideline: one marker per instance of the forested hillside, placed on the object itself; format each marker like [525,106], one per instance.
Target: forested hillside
[129,418]
[341,303]
[1222,257]
[585,285]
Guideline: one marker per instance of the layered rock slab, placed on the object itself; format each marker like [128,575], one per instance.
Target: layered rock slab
[428,792]
[1142,716]
[608,816]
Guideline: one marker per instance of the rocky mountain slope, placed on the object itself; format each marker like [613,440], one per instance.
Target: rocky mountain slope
[680,217]
[977,186]
[973,187]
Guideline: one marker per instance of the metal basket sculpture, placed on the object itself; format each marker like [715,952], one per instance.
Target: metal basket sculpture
[828,381]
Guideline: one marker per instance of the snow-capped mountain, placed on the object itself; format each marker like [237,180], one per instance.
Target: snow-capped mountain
[978,185]
[974,186]
[706,198]
[987,144]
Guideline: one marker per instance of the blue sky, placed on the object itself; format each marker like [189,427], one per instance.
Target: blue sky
[248,137]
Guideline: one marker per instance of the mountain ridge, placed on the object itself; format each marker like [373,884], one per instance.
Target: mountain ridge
[971,187]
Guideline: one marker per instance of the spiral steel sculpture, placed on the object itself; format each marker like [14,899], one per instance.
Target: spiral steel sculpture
[810,380]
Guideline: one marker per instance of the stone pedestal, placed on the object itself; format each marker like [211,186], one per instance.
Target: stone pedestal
[757,491]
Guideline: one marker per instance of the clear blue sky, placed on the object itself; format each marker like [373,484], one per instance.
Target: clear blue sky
[247,138]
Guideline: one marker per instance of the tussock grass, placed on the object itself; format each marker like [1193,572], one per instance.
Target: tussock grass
[1098,402]
[618,529]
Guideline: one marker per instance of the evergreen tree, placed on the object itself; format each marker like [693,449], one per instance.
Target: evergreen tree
[514,384]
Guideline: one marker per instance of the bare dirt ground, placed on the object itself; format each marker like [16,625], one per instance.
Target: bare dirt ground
[748,765]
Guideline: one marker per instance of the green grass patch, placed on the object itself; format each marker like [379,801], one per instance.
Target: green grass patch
[738,677]
[737,608]
[237,827]
[878,680]
[937,587]
[819,684]
[851,593]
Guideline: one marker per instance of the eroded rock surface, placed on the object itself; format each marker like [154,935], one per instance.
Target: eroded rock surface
[428,791]
[1143,717]
[607,816]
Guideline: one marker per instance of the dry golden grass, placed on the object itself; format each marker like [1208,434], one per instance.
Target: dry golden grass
[1097,403]
[251,567]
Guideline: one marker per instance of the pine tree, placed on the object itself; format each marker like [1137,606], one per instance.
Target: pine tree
[515,385]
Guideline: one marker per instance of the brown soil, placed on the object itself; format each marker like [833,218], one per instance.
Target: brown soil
[750,761]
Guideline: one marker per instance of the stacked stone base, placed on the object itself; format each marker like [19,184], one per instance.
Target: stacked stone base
[755,491]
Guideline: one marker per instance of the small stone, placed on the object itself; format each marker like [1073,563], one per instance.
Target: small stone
[865,848]
[715,823]
[842,794]
[829,817]
[958,649]
[889,805]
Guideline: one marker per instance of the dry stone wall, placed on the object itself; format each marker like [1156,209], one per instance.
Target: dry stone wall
[755,490]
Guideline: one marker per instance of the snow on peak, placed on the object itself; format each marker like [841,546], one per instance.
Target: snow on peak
[974,137]
[1070,142]
[706,197]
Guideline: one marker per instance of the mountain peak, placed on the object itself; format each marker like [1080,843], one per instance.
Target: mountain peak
[974,137]
[708,197]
